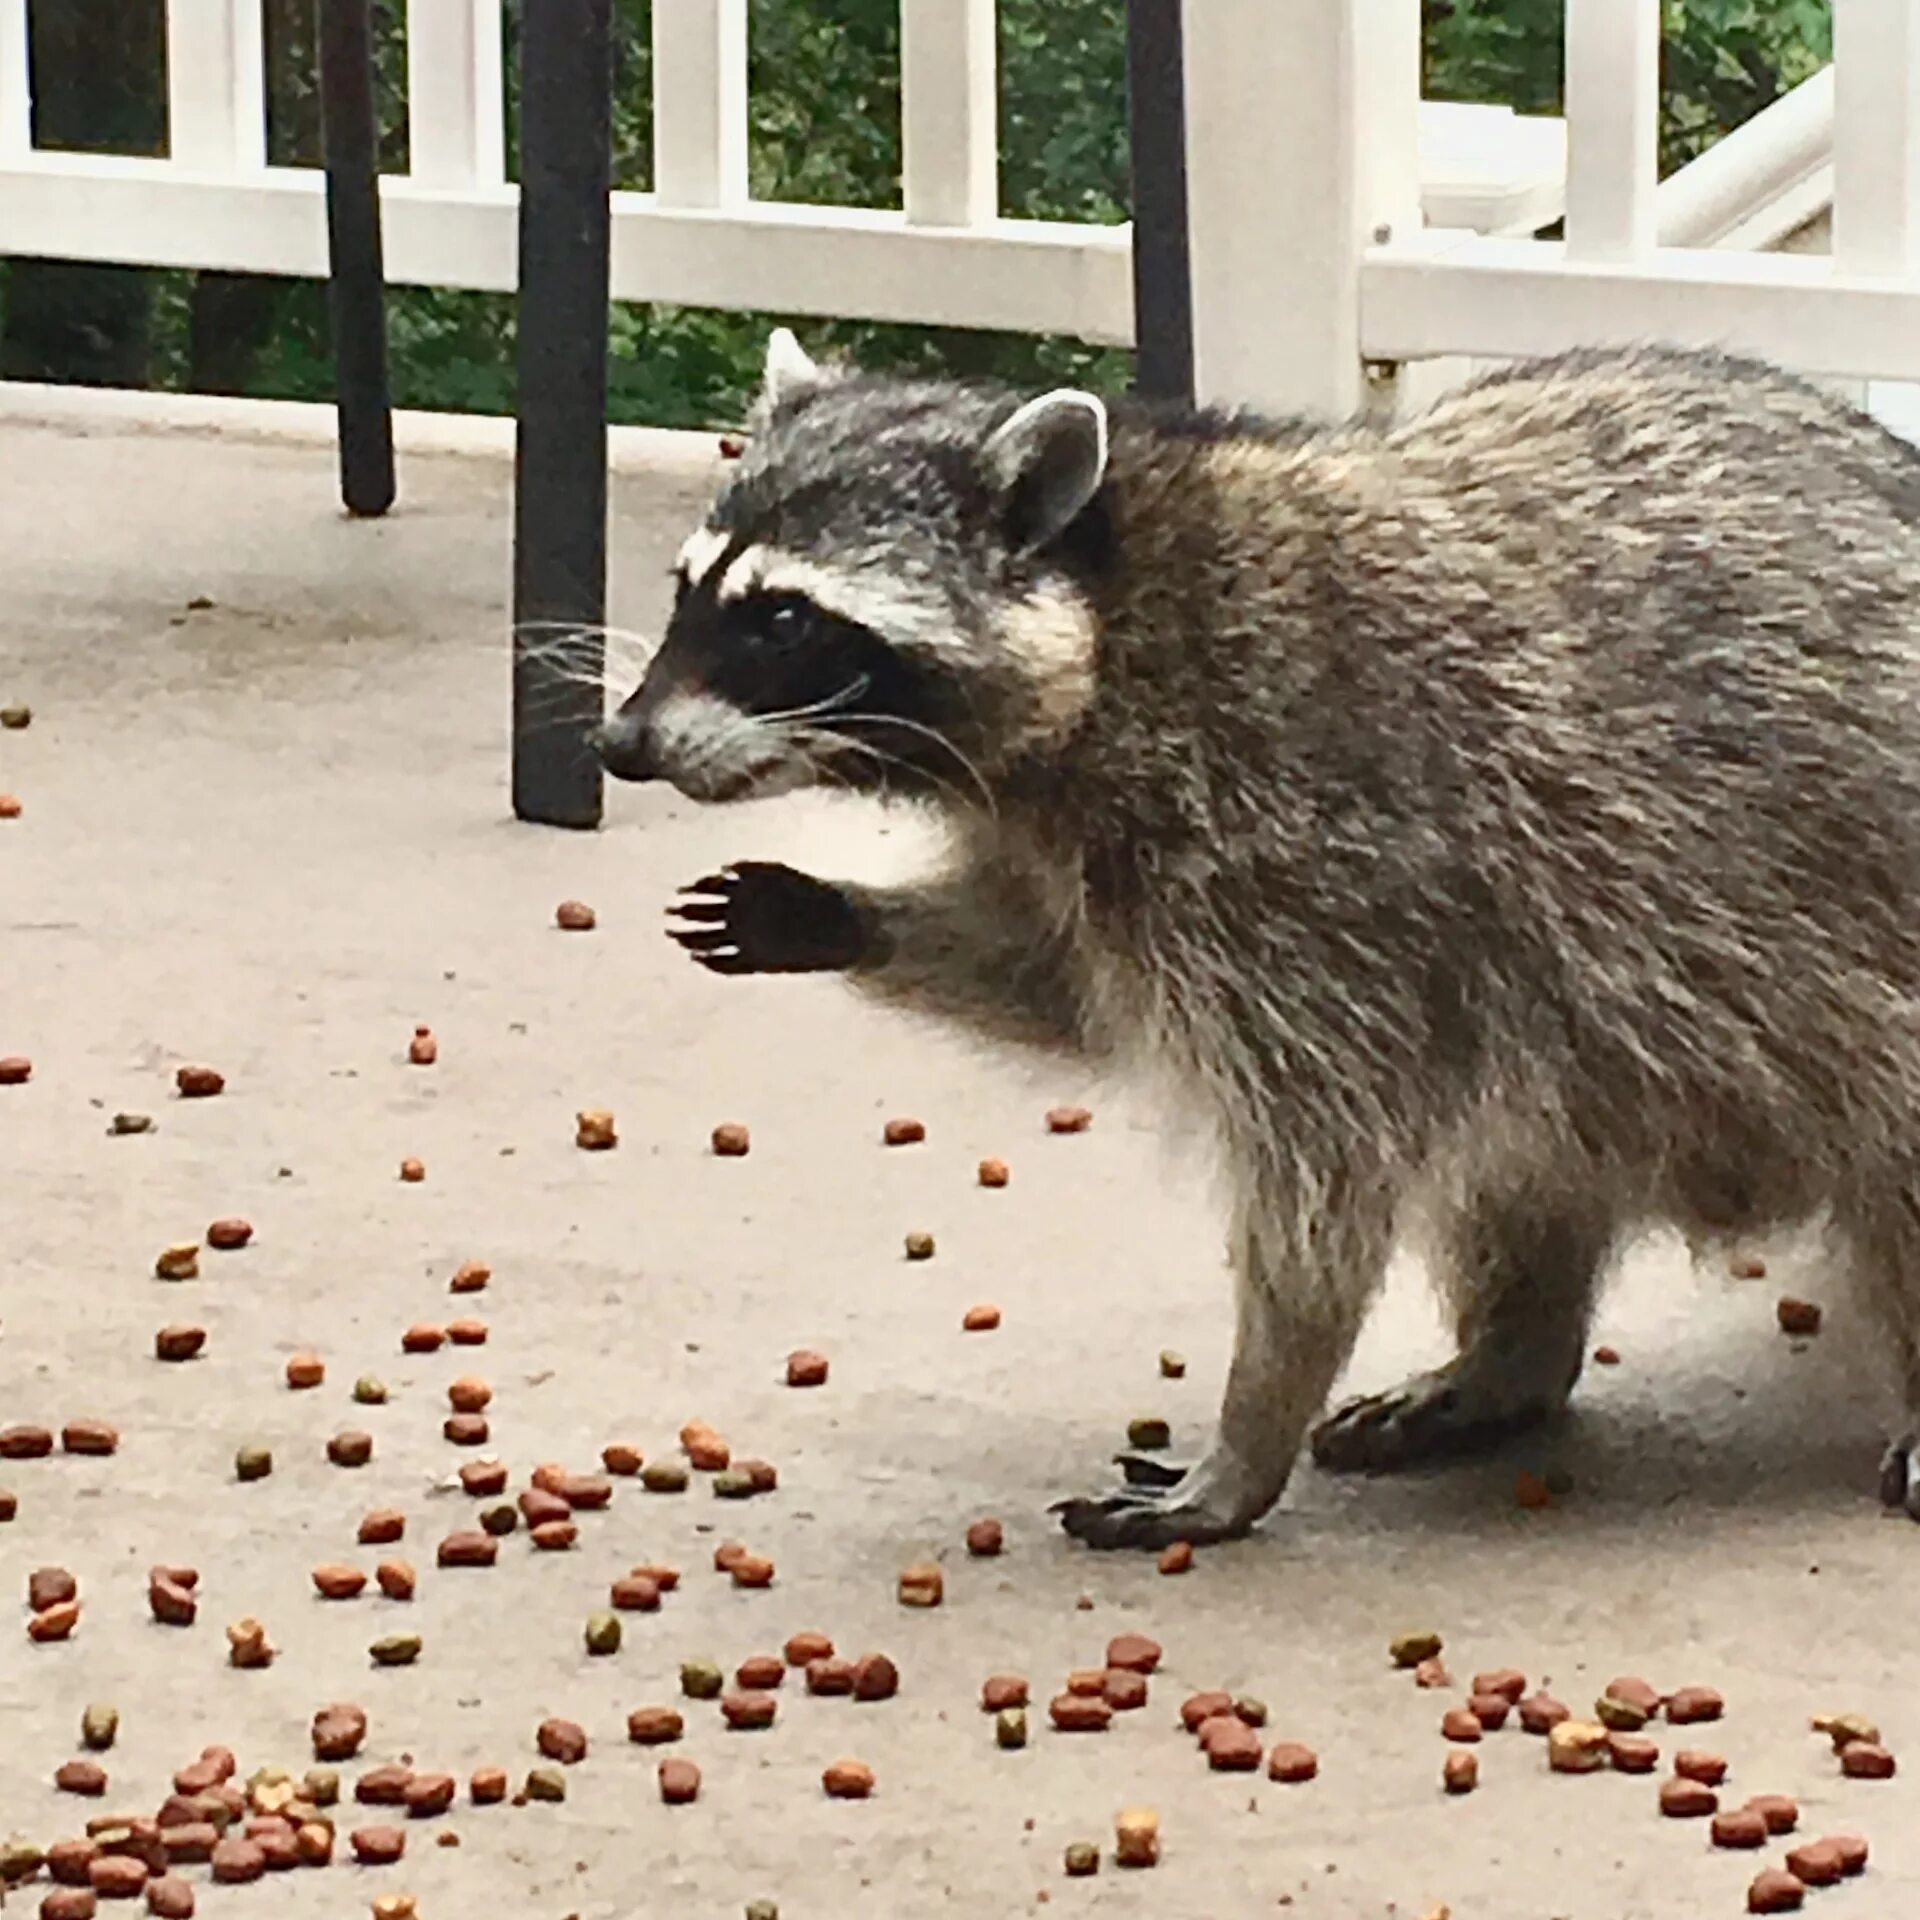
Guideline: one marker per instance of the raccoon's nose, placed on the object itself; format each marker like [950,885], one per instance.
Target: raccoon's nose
[621,746]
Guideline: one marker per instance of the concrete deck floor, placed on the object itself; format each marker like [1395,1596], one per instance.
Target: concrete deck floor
[272,835]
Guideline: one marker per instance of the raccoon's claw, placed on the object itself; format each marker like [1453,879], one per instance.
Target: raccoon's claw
[1148,1470]
[757,916]
[1431,1417]
[1900,1476]
[1144,1520]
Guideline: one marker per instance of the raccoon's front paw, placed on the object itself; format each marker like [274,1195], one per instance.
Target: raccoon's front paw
[1204,1505]
[1900,1476]
[757,916]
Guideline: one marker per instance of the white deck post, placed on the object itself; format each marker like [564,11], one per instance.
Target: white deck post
[949,112]
[1302,145]
[1613,128]
[700,102]
[216,86]
[1876,137]
[456,105]
[16,93]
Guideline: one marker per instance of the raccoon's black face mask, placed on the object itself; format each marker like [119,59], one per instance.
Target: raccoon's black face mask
[870,603]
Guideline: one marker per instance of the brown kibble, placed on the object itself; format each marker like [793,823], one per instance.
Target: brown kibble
[994,1173]
[15,1068]
[378,1846]
[483,1479]
[471,1276]
[25,1443]
[413,1171]
[1136,1838]
[981,1319]
[337,1582]
[181,1261]
[562,1740]
[306,1370]
[574,916]
[1068,1119]
[922,1585]
[488,1787]
[875,1677]
[1231,1746]
[803,1649]
[1002,1691]
[1460,1772]
[382,1527]
[66,1862]
[1773,1891]
[903,1133]
[48,1587]
[805,1368]
[985,1538]
[430,1794]
[1739,1829]
[1577,1746]
[170,1898]
[1090,1683]
[752,1570]
[1530,1491]
[1410,1649]
[1134,1652]
[1081,1859]
[760,1673]
[635,1593]
[423,1049]
[469,1394]
[1202,1707]
[54,1624]
[423,1338]
[1863,1760]
[748,1712]
[1292,1763]
[229,1235]
[848,1780]
[1177,1558]
[179,1342]
[1075,1713]
[171,1601]
[467,1333]
[593,1129]
[1606,1356]
[397,1579]
[95,1438]
[237,1862]
[1631,1691]
[468,1548]
[191,1844]
[247,1645]
[1541,1713]
[1780,1811]
[9,1505]
[1844,1728]
[706,1451]
[1460,1723]
[85,1777]
[584,1492]
[654,1726]
[383,1787]
[1684,1799]
[730,1140]
[338,1731]
[623,1460]
[539,1506]
[1692,1705]
[1632,1753]
[350,1448]
[1747,1267]
[1708,1768]
[919,1246]
[679,1782]
[829,1677]
[199,1083]
[1490,1709]
[555,1536]
[1798,1317]
[467,1429]
[403,1906]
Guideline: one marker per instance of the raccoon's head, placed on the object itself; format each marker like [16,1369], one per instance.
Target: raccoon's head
[882,595]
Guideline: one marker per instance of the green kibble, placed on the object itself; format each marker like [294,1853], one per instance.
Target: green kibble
[253,1463]
[1010,1728]
[100,1728]
[664,1476]
[500,1520]
[1620,1716]
[396,1650]
[762,1910]
[1082,1859]
[733,1485]
[1149,1434]
[1173,1366]
[701,1680]
[1409,1649]
[369,1392]
[20,1860]
[603,1633]
[15,718]
[123,1123]
[546,1783]
[321,1786]
[919,1246]
[1558,1482]
[1250,1710]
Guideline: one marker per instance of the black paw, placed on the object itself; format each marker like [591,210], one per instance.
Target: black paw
[1149,1470]
[760,917]
[1427,1419]
[1145,1521]
[1900,1476]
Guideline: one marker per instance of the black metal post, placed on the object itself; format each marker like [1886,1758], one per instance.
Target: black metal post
[560,469]
[1162,272]
[356,280]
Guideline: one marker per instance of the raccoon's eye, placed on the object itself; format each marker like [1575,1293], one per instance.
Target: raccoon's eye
[787,623]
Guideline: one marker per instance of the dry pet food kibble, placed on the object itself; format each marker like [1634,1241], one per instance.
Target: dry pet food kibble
[48,1586]
[562,1740]
[1292,1763]
[181,1261]
[830,1678]
[994,1173]
[919,1246]
[422,1338]
[230,1235]
[546,1784]
[171,1600]
[1081,1859]
[179,1342]
[199,1083]
[848,1780]
[1773,1891]
[603,1634]
[337,1732]
[1708,1768]
[1739,1828]
[350,1448]
[1863,1760]
[306,1370]
[730,1140]
[468,1549]
[1541,1713]
[1632,1753]
[922,1585]
[1692,1705]
[413,1171]
[903,1133]
[1177,1558]
[91,1437]
[1778,1810]
[1136,1838]
[679,1782]
[574,916]
[25,1443]
[423,1049]
[54,1624]
[1077,1713]
[99,1728]
[247,1645]
[1577,1746]
[1409,1649]
[369,1392]
[471,1276]
[1068,1119]
[1801,1317]
[395,1650]
[1460,1772]
[985,1538]
[654,1726]
[15,1070]
[623,1460]
[1683,1799]
[378,1846]
[980,1319]
[252,1463]
[396,1579]
[382,1527]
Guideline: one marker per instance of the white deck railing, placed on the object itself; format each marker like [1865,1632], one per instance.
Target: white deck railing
[1333,220]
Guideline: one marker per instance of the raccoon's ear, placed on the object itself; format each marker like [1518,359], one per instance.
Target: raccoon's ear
[789,369]
[1047,462]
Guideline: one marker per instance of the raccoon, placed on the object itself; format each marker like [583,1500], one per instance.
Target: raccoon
[1504,825]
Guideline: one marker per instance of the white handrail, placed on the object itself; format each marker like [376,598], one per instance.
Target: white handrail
[1781,148]
[216,86]
[455,98]
[1876,145]
[700,102]
[1613,119]
[949,112]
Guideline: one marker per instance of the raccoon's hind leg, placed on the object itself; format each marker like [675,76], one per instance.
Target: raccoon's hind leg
[1520,1274]
[1304,1277]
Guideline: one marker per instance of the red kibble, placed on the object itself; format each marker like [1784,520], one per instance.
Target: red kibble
[179,1342]
[748,1712]
[994,1173]
[483,1479]
[623,1460]
[760,1672]
[468,1549]
[1798,1317]
[339,1582]
[679,1782]
[752,1570]
[1177,1558]
[875,1677]
[1632,1752]
[1231,1746]
[1775,1892]
[1778,1810]
[423,1049]
[378,1846]
[806,1369]
[1708,1768]
[848,1780]
[981,1319]
[25,1443]
[229,1235]
[54,1624]
[654,1726]
[421,1338]
[1292,1763]
[985,1538]
[469,1394]
[574,916]
[1068,1119]
[1460,1772]
[830,1678]
[1508,1682]
[413,1171]
[1490,1710]
[1864,1760]
[1134,1652]
[1541,1713]
[471,1276]
[87,1778]
[1740,1829]
[198,1083]
[90,1437]
[1606,1356]
[488,1787]
[903,1133]
[803,1649]
[1460,1723]
[634,1593]
[306,1370]
[351,1447]
[562,1740]
[1002,1691]
[1125,1692]
[1075,1713]
[1683,1799]
[396,1578]
[555,1536]
[382,1527]
[15,1068]
[237,1862]
[1692,1705]
[1202,1707]
[731,1140]
[467,1333]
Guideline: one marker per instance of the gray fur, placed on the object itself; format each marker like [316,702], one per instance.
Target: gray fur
[1506,826]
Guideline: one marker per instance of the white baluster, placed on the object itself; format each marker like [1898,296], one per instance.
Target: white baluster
[1876,136]
[1613,127]
[949,112]
[216,86]
[456,105]
[700,102]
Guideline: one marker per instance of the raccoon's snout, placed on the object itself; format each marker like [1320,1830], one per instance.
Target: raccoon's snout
[622,744]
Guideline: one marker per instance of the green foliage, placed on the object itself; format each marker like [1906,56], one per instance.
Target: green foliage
[826,128]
